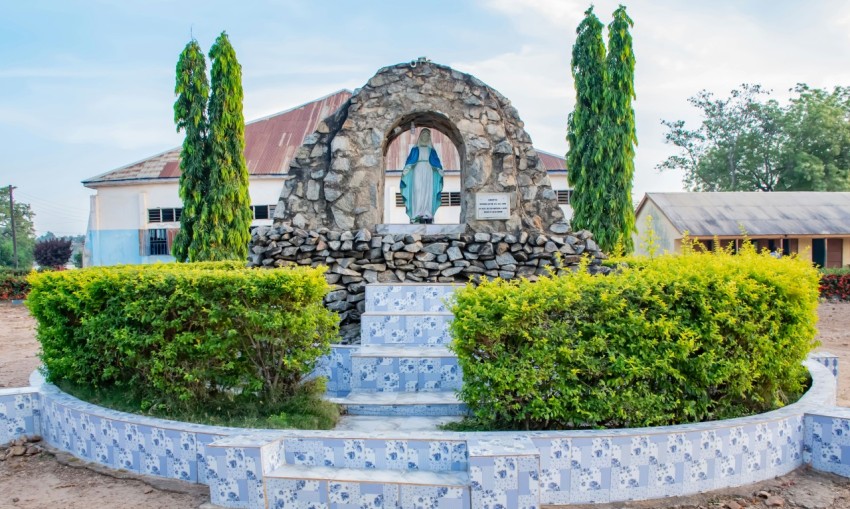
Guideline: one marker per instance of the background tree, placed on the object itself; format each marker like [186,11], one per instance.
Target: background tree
[24,232]
[190,115]
[749,142]
[618,210]
[53,253]
[587,156]
[817,128]
[222,231]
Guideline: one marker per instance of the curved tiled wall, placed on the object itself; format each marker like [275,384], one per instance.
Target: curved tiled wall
[253,468]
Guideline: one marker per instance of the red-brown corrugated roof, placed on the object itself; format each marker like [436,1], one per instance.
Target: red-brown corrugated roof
[271,142]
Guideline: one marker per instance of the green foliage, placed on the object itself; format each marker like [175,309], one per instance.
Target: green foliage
[190,115]
[618,209]
[183,336]
[672,339]
[306,409]
[222,232]
[24,230]
[601,131]
[748,142]
[586,158]
[52,253]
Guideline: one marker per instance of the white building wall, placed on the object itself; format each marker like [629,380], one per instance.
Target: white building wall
[119,211]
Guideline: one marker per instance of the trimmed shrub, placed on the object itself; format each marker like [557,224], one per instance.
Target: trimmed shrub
[183,335]
[13,284]
[835,284]
[674,339]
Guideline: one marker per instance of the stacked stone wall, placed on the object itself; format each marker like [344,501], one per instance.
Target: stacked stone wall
[357,257]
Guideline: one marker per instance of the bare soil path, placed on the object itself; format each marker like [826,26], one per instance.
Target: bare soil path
[60,481]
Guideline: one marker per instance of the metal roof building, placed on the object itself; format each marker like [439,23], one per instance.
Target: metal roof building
[134,215]
[792,222]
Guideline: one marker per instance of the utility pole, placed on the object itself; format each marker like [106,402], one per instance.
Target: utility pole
[12,216]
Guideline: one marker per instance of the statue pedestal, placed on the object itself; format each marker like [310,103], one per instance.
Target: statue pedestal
[421,229]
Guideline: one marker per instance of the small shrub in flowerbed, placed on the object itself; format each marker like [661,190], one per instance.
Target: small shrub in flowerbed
[674,339]
[13,285]
[184,339]
[835,284]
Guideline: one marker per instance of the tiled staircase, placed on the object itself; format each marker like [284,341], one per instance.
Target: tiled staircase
[403,366]
[404,375]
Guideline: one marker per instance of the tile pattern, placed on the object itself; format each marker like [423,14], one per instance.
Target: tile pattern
[827,359]
[635,466]
[382,454]
[398,329]
[326,494]
[504,472]
[19,413]
[405,374]
[389,298]
[234,476]
[336,368]
[827,441]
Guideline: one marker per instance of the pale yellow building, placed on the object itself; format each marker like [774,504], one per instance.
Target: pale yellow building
[814,225]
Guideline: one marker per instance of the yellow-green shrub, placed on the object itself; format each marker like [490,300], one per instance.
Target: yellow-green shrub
[183,335]
[667,340]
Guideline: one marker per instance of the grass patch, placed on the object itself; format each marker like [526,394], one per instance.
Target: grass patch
[304,410]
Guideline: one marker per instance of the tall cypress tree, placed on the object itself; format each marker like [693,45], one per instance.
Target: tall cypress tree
[226,215]
[620,135]
[586,159]
[190,115]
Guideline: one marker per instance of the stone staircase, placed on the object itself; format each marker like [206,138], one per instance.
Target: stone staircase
[403,366]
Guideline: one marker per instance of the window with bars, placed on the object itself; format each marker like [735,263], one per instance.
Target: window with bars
[262,211]
[164,215]
[564,196]
[449,199]
[157,242]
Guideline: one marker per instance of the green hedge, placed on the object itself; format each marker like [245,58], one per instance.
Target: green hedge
[668,340]
[183,335]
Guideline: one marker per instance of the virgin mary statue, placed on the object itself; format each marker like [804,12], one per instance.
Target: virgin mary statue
[422,180]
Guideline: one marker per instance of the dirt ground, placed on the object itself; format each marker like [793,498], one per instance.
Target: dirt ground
[48,480]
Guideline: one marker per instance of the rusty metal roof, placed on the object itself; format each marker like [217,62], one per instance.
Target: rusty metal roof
[779,213]
[270,144]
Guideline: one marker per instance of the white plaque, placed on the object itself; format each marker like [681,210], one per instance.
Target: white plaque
[492,205]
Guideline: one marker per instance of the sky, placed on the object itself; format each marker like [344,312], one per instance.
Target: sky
[87,86]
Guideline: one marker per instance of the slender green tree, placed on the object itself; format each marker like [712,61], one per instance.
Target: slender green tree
[620,134]
[587,158]
[190,114]
[222,232]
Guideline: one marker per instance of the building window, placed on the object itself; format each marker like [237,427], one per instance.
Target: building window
[450,199]
[262,211]
[564,196]
[164,215]
[157,242]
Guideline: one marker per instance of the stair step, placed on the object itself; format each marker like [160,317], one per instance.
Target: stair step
[405,369]
[422,329]
[402,403]
[417,477]
[383,423]
[343,488]
[408,297]
[403,351]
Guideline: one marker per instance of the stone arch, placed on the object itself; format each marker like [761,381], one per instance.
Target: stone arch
[438,123]
[336,178]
